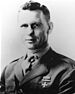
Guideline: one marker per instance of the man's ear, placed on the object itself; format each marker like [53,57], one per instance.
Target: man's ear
[50,27]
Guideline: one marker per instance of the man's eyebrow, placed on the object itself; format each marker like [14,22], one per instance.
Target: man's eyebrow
[37,23]
[24,25]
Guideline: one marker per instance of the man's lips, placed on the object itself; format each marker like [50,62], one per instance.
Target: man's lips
[30,40]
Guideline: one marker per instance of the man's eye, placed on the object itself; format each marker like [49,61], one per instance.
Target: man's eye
[36,26]
[24,25]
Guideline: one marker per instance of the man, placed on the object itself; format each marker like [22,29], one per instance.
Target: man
[41,70]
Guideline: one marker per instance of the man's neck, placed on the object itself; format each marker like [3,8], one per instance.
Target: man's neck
[40,52]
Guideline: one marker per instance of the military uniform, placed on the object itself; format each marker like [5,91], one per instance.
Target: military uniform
[53,74]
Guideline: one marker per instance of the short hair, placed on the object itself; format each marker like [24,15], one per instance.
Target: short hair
[36,6]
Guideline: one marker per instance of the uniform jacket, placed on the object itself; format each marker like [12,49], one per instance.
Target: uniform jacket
[54,74]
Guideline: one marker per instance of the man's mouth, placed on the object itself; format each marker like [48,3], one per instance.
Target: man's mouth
[33,40]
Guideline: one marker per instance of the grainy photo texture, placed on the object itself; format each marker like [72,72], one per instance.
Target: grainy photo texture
[41,70]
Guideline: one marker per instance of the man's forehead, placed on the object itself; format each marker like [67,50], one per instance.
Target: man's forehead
[28,16]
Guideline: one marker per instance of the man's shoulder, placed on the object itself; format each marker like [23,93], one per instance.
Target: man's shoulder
[62,59]
[16,60]
[65,60]
[61,66]
[58,62]
[11,66]
[69,61]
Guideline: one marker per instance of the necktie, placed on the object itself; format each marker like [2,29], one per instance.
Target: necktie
[31,62]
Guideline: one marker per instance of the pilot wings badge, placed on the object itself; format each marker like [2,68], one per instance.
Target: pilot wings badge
[45,81]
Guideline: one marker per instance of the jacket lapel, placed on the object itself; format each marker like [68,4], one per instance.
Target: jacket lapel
[39,69]
[19,71]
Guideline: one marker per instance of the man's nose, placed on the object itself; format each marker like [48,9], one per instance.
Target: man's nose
[30,31]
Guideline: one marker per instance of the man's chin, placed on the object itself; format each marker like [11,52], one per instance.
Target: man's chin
[29,46]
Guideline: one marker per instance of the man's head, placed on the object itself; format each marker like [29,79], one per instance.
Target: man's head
[34,22]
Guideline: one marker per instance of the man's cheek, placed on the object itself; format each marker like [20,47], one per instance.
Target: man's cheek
[37,32]
[41,37]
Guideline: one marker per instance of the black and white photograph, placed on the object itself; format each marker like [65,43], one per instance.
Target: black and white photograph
[37,47]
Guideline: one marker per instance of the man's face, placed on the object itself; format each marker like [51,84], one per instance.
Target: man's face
[34,28]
